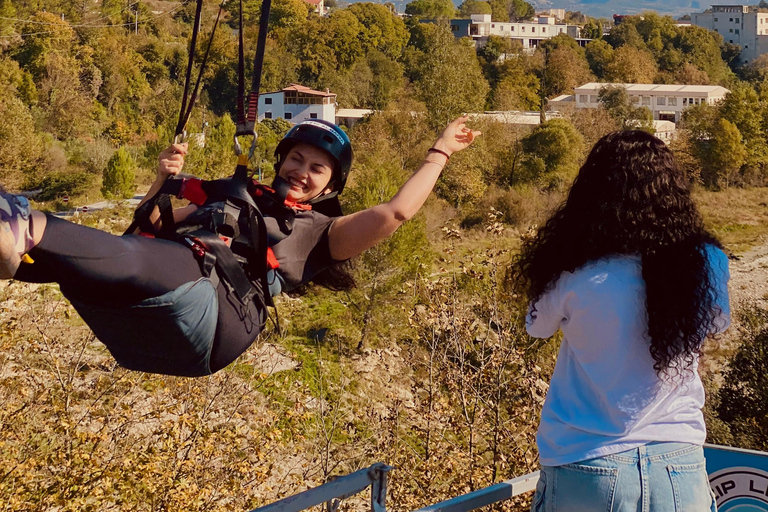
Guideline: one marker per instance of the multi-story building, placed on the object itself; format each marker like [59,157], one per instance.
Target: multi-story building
[296,103]
[738,24]
[665,101]
[530,33]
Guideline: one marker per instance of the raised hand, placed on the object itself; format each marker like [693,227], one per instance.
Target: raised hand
[171,160]
[456,136]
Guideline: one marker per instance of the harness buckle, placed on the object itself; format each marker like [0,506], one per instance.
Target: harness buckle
[249,128]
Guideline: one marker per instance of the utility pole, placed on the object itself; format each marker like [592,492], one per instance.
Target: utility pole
[543,111]
[137,19]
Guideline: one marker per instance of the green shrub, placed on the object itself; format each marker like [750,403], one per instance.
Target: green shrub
[119,176]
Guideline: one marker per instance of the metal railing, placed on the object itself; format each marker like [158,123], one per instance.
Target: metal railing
[333,492]
[493,494]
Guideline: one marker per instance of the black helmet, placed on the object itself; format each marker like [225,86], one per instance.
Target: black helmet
[323,135]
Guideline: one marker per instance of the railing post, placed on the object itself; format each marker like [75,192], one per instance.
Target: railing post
[379,488]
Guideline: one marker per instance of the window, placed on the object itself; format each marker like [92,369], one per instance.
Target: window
[543,30]
[583,98]
[736,20]
[730,30]
[313,116]
[715,20]
[646,100]
[267,101]
[685,102]
[690,101]
[533,29]
[730,19]
[730,40]
[512,28]
[672,101]
[288,115]
[454,28]
[593,98]
[522,29]
[737,31]
[267,115]
[661,100]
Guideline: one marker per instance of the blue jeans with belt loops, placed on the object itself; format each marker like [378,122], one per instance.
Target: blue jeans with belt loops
[657,477]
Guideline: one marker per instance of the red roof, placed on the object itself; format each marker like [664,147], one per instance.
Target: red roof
[313,2]
[307,90]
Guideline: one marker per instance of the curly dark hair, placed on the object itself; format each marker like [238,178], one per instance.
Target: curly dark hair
[630,198]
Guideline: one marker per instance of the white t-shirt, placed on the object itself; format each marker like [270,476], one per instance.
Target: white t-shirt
[605,396]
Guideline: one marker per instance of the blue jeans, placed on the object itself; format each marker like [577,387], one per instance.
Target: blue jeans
[657,477]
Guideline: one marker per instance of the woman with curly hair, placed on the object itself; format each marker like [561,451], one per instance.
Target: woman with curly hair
[627,271]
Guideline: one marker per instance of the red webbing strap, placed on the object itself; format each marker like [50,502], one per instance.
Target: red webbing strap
[192,191]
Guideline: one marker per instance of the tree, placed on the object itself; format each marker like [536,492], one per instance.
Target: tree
[552,153]
[566,68]
[727,154]
[631,65]
[470,7]
[382,31]
[691,75]
[450,79]
[616,101]
[742,400]
[433,9]
[592,29]
[511,10]
[118,180]
[7,13]
[495,47]
[599,56]
[517,87]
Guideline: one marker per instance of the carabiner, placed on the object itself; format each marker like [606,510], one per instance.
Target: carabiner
[180,138]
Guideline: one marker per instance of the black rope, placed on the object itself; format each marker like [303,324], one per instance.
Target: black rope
[188,102]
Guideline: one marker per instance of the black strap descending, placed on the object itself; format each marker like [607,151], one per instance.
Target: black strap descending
[246,117]
[141,216]
[227,266]
[187,104]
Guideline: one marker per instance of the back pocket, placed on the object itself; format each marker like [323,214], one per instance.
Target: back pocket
[690,486]
[582,488]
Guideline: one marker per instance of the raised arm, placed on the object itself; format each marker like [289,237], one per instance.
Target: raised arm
[352,234]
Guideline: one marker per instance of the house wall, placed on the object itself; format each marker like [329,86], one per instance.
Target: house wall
[662,104]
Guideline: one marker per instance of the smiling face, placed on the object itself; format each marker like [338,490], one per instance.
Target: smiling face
[308,170]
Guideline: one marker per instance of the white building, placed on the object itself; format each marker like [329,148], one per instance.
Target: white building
[530,33]
[665,101]
[296,103]
[738,25]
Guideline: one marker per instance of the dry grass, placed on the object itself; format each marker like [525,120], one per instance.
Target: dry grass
[738,217]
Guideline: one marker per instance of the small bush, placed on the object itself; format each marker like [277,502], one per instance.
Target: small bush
[743,399]
[119,176]
[59,184]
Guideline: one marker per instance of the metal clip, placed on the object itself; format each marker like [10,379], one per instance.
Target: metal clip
[180,138]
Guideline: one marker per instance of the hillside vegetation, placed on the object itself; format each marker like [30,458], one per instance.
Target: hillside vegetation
[425,365]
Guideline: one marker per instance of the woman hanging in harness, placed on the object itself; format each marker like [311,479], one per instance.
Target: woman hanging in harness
[159,306]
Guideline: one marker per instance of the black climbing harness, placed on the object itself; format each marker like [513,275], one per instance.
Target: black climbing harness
[227,233]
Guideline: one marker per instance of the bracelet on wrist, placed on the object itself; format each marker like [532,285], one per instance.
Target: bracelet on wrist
[440,151]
